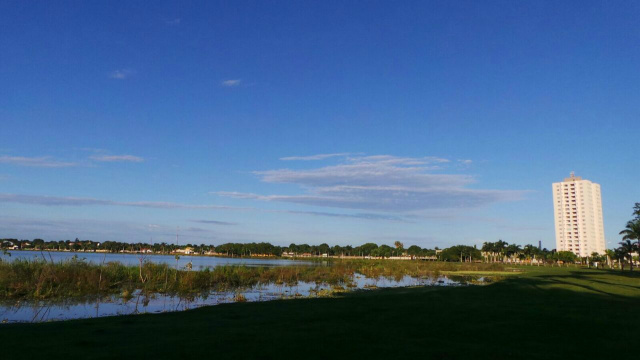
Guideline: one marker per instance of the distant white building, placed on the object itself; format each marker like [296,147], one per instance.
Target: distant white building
[577,205]
[186,251]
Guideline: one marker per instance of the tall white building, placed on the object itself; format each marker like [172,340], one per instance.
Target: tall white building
[577,206]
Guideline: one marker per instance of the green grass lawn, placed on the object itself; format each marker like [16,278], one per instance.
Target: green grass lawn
[543,313]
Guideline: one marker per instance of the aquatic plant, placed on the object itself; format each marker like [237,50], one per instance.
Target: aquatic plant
[42,279]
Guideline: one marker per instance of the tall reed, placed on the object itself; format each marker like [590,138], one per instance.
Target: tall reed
[41,279]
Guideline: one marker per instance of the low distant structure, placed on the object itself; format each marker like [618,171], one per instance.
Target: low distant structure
[185,251]
[404,257]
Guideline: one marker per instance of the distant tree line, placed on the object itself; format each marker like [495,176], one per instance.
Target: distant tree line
[499,251]
[230,249]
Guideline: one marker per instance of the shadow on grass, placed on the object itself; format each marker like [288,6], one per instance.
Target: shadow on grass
[588,279]
[517,318]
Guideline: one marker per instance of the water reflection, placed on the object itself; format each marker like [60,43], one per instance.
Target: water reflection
[138,303]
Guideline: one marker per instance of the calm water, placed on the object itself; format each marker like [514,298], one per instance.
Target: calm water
[198,262]
[140,304]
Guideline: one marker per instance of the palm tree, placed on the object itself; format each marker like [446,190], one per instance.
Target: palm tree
[627,247]
[399,246]
[512,250]
[610,256]
[494,249]
[632,231]
[620,254]
[500,247]
[487,248]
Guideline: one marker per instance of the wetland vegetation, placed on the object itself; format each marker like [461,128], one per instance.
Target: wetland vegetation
[73,278]
[590,312]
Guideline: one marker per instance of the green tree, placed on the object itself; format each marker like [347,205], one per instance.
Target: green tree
[610,254]
[461,253]
[365,249]
[632,232]
[566,256]
[38,244]
[596,259]
[414,250]
[620,254]
[636,211]
[323,249]
[384,251]
[627,247]
[495,250]
[512,250]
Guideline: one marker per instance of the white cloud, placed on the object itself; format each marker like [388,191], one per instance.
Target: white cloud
[121,74]
[380,183]
[313,157]
[78,201]
[231,82]
[43,161]
[213,222]
[175,21]
[395,160]
[363,216]
[44,200]
[117,158]
[465,162]
[99,230]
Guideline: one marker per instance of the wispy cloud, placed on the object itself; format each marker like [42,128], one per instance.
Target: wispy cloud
[380,183]
[44,200]
[43,161]
[313,157]
[231,82]
[116,158]
[56,229]
[174,22]
[213,222]
[79,201]
[121,74]
[363,216]
[465,161]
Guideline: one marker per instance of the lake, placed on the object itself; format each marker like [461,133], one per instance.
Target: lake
[198,262]
[39,311]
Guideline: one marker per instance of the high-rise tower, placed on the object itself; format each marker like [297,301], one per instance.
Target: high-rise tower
[577,208]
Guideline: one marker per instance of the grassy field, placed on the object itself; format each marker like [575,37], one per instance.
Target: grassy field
[544,313]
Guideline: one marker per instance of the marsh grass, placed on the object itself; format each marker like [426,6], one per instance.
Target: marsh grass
[74,278]
[595,309]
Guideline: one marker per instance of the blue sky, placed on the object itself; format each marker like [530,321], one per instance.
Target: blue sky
[433,123]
